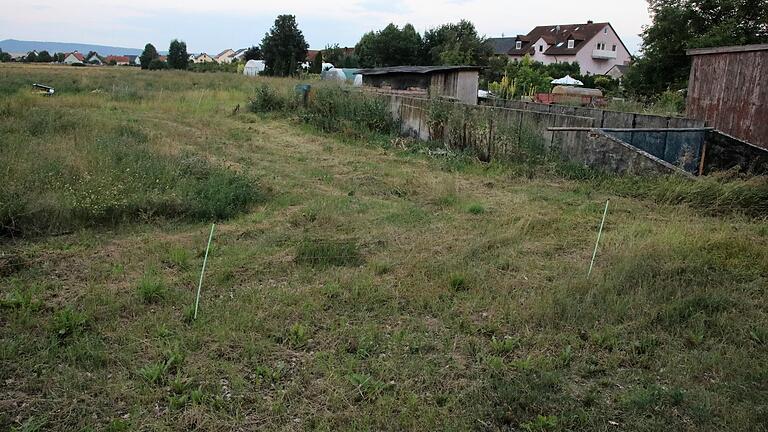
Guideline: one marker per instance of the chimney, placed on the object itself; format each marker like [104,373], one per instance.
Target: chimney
[590,22]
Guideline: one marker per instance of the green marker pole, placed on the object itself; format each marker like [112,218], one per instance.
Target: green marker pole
[599,234]
[202,272]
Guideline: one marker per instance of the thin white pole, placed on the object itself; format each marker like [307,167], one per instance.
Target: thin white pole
[202,272]
[599,234]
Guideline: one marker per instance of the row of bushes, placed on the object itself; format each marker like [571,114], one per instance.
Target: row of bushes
[330,109]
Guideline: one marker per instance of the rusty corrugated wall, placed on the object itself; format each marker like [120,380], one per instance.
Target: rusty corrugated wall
[728,88]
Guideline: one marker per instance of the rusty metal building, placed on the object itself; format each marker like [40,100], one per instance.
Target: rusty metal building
[728,88]
[453,82]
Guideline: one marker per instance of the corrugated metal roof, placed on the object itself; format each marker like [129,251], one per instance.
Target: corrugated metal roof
[416,69]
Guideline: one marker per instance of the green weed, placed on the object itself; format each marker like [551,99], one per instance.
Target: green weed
[69,322]
[151,288]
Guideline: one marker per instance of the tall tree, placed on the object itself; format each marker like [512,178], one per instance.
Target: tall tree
[390,46]
[31,57]
[455,44]
[4,56]
[679,25]
[253,53]
[44,57]
[284,47]
[149,54]
[317,64]
[178,58]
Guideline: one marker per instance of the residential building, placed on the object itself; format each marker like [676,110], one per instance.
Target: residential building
[74,58]
[595,46]
[617,72]
[239,55]
[118,60]
[94,59]
[225,56]
[203,58]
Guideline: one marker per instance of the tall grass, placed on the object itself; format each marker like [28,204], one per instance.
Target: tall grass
[67,168]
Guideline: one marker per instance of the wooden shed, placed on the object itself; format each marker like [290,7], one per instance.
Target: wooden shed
[455,82]
[728,88]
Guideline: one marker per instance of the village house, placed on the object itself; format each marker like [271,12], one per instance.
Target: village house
[225,57]
[118,60]
[94,59]
[595,46]
[203,58]
[239,54]
[74,58]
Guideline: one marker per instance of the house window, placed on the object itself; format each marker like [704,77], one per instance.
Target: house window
[614,48]
[518,45]
[571,43]
[605,30]
[541,48]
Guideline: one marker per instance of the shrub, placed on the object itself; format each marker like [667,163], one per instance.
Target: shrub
[157,64]
[333,109]
[267,99]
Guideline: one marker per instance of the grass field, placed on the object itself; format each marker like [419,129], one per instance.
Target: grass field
[352,285]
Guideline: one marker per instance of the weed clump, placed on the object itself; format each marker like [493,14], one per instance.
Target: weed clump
[458,282]
[68,322]
[151,289]
[476,209]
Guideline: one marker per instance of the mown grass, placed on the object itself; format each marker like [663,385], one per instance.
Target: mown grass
[366,295]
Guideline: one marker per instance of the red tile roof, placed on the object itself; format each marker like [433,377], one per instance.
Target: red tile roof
[555,35]
[117,59]
[77,56]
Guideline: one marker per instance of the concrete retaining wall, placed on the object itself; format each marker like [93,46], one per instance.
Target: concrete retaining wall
[596,149]
[723,152]
[481,128]
[414,116]
[603,118]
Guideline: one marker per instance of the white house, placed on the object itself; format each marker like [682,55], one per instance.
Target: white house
[239,54]
[74,58]
[595,46]
[203,58]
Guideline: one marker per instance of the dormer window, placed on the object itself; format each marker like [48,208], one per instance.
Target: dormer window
[541,48]
[571,43]
[518,45]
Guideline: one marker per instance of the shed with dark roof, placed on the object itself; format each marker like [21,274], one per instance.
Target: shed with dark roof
[453,82]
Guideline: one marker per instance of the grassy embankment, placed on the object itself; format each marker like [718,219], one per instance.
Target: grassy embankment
[365,287]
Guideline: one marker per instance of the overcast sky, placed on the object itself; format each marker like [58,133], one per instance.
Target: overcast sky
[212,25]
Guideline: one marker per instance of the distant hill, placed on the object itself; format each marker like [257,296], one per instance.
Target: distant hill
[19,46]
